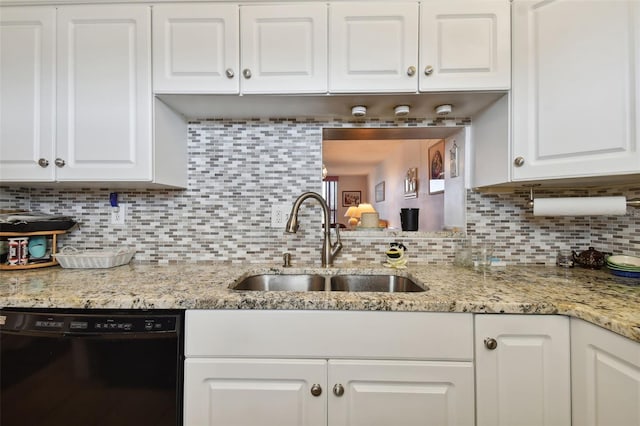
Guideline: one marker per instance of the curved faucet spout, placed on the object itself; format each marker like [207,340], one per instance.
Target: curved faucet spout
[329,250]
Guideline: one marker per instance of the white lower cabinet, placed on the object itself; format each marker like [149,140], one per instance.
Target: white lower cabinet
[352,368]
[522,370]
[400,393]
[605,373]
[250,392]
[346,368]
[315,392]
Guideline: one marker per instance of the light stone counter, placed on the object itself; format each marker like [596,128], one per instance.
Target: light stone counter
[595,296]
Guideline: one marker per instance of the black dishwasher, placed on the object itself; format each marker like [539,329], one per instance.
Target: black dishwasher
[91,367]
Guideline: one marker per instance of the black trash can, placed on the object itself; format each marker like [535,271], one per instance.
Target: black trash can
[409,219]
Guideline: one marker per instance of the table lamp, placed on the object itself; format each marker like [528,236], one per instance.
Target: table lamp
[353,214]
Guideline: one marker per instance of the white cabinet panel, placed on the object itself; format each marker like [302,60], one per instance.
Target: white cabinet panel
[284,49]
[373,48]
[27,93]
[408,393]
[250,392]
[605,373]
[224,48]
[465,45]
[104,93]
[426,335]
[195,48]
[524,379]
[575,113]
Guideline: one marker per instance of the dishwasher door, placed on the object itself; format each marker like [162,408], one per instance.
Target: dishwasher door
[86,368]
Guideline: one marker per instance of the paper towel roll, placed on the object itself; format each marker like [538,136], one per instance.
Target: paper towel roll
[580,206]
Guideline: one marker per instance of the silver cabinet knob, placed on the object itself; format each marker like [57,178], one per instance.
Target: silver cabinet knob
[338,390]
[60,162]
[316,389]
[411,71]
[519,161]
[229,72]
[246,73]
[490,343]
[428,70]
[43,162]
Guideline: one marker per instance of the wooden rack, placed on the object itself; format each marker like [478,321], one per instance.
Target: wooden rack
[54,247]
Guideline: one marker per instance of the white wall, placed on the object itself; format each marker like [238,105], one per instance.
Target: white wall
[392,171]
[455,194]
[437,211]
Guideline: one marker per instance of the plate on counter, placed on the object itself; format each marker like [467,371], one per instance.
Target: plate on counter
[622,268]
[627,274]
[624,261]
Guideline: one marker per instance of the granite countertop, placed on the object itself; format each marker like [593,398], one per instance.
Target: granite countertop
[595,296]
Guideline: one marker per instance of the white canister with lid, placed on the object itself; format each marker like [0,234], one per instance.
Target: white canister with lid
[369,220]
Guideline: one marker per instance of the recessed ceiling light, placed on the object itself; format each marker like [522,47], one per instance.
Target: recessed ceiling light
[359,111]
[401,110]
[443,109]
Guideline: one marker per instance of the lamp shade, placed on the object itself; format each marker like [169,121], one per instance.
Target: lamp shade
[352,212]
[365,208]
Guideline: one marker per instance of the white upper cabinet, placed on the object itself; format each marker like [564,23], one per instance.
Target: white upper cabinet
[465,45]
[27,93]
[284,48]
[76,101]
[373,47]
[104,93]
[575,113]
[195,48]
[345,47]
[226,48]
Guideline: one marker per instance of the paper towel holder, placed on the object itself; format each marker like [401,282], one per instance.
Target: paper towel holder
[635,202]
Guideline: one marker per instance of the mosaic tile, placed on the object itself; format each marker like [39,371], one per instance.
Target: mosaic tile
[237,168]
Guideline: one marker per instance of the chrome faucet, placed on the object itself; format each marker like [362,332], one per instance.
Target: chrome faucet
[329,251]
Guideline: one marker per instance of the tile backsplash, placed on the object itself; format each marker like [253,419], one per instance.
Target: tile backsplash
[237,169]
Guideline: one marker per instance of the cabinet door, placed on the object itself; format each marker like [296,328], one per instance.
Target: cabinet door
[575,113]
[373,48]
[195,48]
[104,92]
[27,87]
[524,379]
[605,373]
[284,49]
[250,392]
[400,393]
[465,45]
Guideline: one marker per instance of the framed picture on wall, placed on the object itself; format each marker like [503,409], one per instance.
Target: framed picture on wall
[350,198]
[380,192]
[453,161]
[436,168]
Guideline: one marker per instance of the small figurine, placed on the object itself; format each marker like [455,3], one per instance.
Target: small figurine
[395,256]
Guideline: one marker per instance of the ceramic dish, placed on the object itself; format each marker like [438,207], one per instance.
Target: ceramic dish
[627,274]
[69,257]
[625,261]
[622,268]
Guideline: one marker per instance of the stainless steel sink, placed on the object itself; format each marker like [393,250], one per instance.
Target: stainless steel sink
[313,282]
[378,283]
[275,282]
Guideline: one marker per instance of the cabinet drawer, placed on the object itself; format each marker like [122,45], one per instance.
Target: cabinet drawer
[330,334]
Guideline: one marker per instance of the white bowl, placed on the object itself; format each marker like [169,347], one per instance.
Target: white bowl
[623,260]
